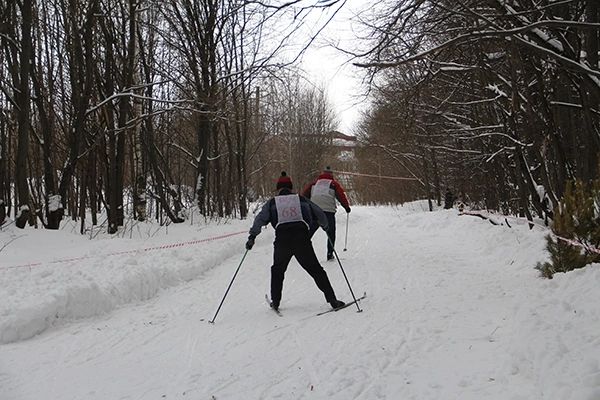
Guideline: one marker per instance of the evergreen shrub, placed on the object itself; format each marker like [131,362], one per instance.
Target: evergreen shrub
[577,217]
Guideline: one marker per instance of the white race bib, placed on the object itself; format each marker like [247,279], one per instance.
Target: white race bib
[288,209]
[321,187]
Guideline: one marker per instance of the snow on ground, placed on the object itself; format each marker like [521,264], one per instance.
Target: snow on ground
[454,310]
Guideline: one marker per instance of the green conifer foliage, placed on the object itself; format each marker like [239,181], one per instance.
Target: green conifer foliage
[577,218]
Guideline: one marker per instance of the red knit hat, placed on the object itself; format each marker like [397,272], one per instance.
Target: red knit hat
[284,181]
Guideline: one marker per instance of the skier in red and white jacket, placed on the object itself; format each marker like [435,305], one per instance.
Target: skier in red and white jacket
[324,191]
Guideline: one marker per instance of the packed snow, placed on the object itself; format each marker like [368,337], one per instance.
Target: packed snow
[455,309]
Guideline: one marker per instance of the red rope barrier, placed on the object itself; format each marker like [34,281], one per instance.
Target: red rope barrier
[564,239]
[375,176]
[166,246]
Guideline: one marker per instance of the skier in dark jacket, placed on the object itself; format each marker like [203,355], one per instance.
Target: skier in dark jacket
[293,217]
[448,199]
[324,191]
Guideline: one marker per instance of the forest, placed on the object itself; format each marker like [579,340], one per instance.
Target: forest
[134,109]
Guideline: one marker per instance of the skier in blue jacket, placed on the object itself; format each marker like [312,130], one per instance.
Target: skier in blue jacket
[293,217]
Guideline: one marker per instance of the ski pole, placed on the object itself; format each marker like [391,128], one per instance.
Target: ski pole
[229,287]
[345,277]
[346,240]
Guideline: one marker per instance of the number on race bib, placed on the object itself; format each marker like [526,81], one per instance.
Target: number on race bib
[288,209]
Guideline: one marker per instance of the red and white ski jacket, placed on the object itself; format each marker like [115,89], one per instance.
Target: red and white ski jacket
[324,191]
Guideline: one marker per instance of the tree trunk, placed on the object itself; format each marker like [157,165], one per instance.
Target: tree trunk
[203,135]
[79,47]
[4,188]
[436,178]
[23,101]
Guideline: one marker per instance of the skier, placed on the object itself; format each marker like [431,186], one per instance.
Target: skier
[448,199]
[292,216]
[323,191]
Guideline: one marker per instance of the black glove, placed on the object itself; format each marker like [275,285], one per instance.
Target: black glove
[249,243]
[348,209]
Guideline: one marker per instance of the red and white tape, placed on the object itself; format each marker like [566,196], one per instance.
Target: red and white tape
[564,239]
[375,176]
[162,247]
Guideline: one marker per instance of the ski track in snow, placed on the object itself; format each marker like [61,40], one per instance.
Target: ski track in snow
[452,312]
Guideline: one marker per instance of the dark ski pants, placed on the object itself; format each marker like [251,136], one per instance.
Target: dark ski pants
[330,232]
[296,242]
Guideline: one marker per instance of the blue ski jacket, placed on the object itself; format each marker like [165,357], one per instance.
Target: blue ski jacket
[312,215]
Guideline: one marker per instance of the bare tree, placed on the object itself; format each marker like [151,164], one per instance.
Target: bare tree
[22,95]
[137,98]
[505,91]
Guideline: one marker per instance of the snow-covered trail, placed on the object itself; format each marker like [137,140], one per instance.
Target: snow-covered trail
[454,310]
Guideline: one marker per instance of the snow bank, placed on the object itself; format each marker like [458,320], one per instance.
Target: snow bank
[43,288]
[455,310]
[556,328]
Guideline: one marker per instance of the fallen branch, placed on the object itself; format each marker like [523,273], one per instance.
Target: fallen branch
[493,222]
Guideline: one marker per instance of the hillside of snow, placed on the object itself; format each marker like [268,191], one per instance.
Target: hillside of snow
[454,310]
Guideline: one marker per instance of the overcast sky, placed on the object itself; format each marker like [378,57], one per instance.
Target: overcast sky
[329,67]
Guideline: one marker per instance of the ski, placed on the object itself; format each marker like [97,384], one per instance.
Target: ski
[271,306]
[345,305]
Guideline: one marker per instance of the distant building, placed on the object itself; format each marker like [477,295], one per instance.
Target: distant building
[342,151]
